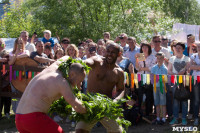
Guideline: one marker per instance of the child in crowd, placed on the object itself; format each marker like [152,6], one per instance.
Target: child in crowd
[47,38]
[59,53]
[159,96]
[47,51]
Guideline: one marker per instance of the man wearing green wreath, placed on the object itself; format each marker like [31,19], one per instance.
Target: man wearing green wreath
[103,77]
[45,88]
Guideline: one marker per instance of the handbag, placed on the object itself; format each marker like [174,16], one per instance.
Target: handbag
[182,93]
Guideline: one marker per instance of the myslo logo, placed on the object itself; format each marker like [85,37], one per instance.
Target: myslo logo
[181,129]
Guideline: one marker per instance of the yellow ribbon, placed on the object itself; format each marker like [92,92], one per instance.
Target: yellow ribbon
[136,81]
[180,79]
[163,78]
[127,79]
[148,79]
[187,80]
[155,83]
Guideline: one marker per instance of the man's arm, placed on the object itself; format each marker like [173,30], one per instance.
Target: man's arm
[92,61]
[43,59]
[120,86]
[68,95]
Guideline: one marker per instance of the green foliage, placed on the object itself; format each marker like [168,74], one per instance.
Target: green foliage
[98,106]
[65,65]
[80,19]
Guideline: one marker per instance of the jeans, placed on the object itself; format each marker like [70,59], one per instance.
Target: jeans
[196,94]
[176,105]
[148,91]
[15,101]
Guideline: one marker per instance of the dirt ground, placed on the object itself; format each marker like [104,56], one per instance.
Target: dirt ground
[142,127]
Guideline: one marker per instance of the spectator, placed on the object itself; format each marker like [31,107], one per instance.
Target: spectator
[39,55]
[178,66]
[56,47]
[5,85]
[91,50]
[144,67]
[2,45]
[106,36]
[195,66]
[160,97]
[101,50]
[58,54]
[33,39]
[123,38]
[158,48]
[173,47]
[101,42]
[47,38]
[164,42]
[64,43]
[190,41]
[28,46]
[18,51]
[72,51]
[47,51]
[81,54]
[133,49]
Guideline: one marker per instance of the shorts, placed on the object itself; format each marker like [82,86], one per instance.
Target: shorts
[159,98]
[36,122]
[109,124]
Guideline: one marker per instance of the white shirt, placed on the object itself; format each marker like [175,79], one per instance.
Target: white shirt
[164,50]
[149,62]
[30,47]
[195,58]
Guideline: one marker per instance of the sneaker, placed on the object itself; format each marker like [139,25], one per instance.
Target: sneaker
[7,115]
[196,122]
[73,124]
[174,121]
[184,122]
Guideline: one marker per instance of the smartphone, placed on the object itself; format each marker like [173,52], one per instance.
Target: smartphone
[92,49]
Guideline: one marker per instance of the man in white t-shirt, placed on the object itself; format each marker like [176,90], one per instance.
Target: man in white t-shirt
[159,48]
[29,46]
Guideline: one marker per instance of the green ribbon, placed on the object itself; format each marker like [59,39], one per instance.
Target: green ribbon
[161,84]
[17,73]
[177,79]
[33,73]
[192,79]
[141,79]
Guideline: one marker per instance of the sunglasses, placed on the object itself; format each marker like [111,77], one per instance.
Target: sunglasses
[157,41]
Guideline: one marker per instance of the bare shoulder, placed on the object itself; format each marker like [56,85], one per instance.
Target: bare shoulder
[120,72]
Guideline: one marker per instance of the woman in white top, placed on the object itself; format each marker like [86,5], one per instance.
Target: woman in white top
[195,66]
[144,67]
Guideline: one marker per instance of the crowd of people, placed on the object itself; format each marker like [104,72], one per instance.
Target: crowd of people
[161,56]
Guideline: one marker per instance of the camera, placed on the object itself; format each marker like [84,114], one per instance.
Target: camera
[121,37]
[92,49]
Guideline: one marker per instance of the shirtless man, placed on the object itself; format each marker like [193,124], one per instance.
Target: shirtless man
[104,76]
[43,89]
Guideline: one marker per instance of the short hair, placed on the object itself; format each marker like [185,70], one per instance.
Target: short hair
[189,35]
[47,31]
[47,47]
[114,45]
[145,43]
[39,42]
[160,54]
[24,32]
[92,43]
[132,38]
[80,47]
[106,33]
[65,40]
[156,36]
[76,67]
[182,44]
